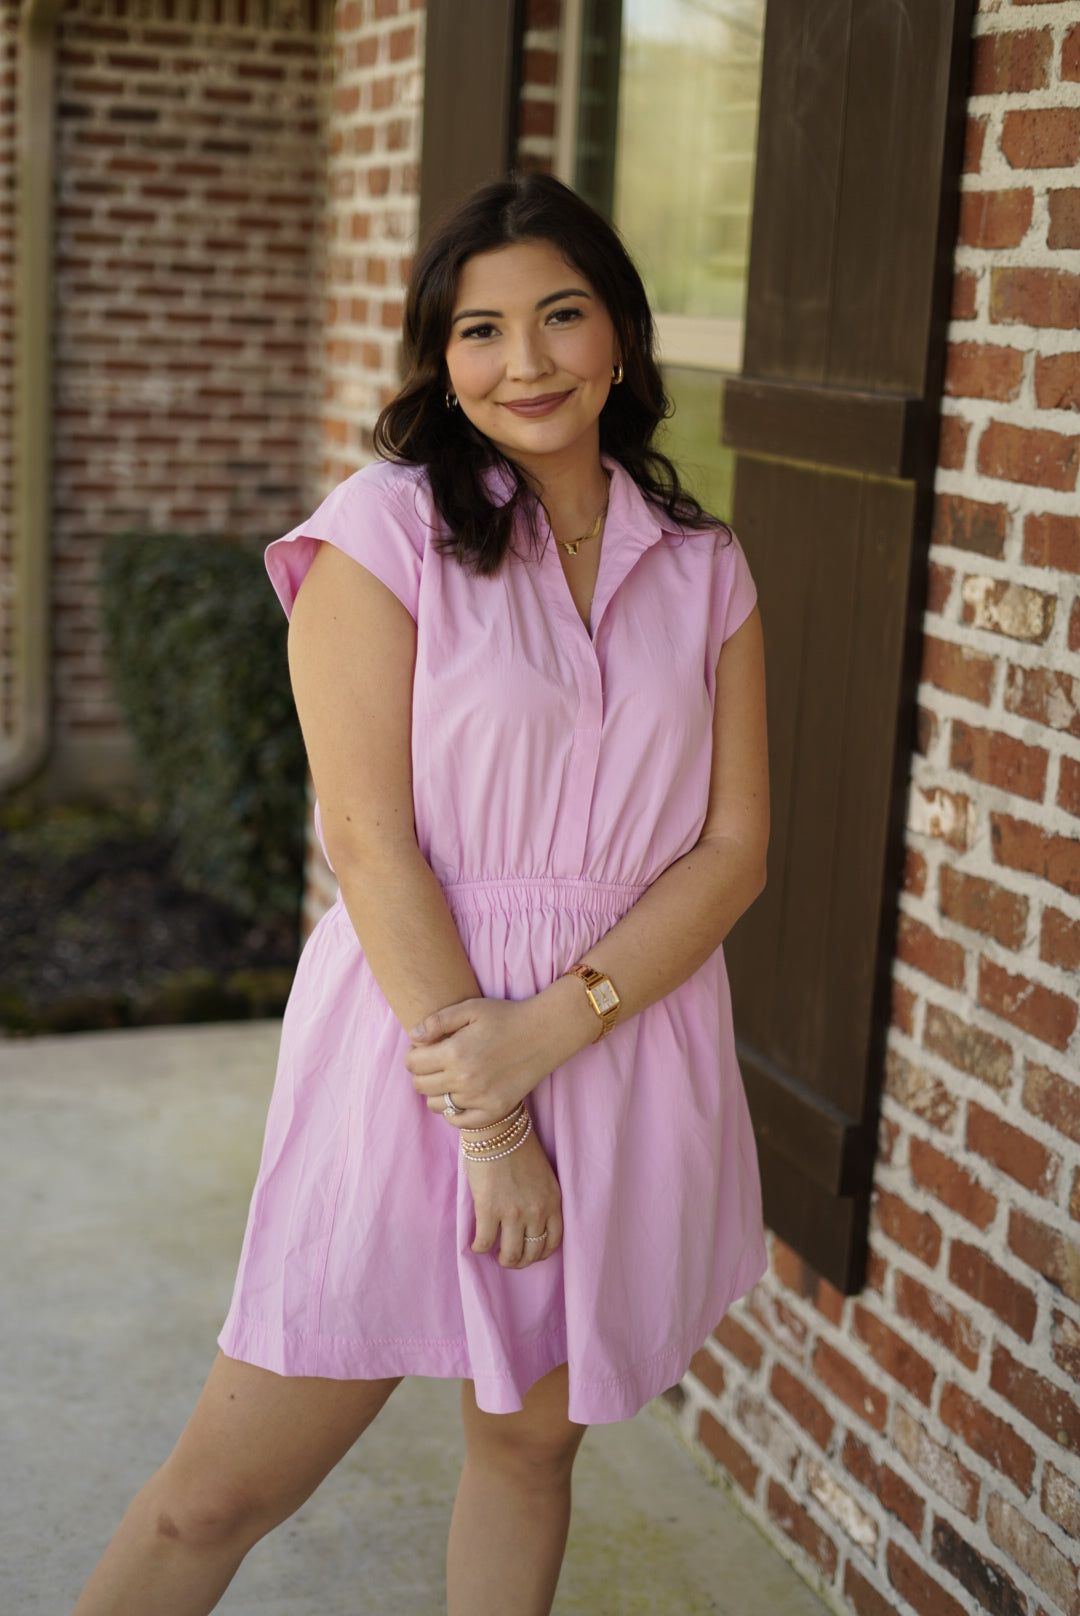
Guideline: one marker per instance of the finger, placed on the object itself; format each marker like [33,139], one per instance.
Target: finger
[554,1235]
[513,1248]
[441,1023]
[487,1232]
[425,1062]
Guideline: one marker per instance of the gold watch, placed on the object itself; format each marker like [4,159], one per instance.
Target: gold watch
[601,994]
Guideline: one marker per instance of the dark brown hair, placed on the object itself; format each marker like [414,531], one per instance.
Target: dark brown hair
[416,427]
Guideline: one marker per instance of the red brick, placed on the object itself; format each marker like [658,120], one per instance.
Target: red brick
[1045,697]
[402,43]
[739,1342]
[971,1270]
[1052,541]
[894,1493]
[1053,1411]
[1047,1251]
[1034,455]
[710,1373]
[1057,381]
[1017,59]
[863,1596]
[1044,137]
[919,1091]
[778,1320]
[974,141]
[802,1529]
[1048,1016]
[1070,54]
[1053,1099]
[964,287]
[925,951]
[1010,609]
[727,1452]
[895,1355]
[888,1134]
[1074,1197]
[984,1580]
[952,442]
[768,1431]
[917,1232]
[980,370]
[983,906]
[1065,1345]
[991,1438]
[827,1299]
[940,1469]
[1034,1553]
[801,1404]
[926,731]
[1023,846]
[914,872]
[1060,1500]
[917,1586]
[876,1270]
[903,1008]
[969,1049]
[952,1184]
[840,1376]
[999,760]
[540,67]
[790,1269]
[1064,228]
[937,1318]
[1039,297]
[1015,1153]
[1068,796]
[970,524]
[958,669]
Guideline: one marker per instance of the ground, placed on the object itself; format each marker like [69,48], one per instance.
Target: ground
[96,930]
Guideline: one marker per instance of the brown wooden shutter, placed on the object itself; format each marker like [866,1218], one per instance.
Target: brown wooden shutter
[472,57]
[834,420]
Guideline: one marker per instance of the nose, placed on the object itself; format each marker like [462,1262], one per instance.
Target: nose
[526,359]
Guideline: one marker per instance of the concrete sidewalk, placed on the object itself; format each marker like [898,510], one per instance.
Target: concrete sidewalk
[126,1161]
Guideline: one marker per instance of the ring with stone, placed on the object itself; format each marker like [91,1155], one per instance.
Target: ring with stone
[450,1109]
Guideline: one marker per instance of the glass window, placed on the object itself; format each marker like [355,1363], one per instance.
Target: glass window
[663,131]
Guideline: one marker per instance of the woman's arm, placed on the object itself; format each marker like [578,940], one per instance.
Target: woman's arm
[352,650]
[505,1049]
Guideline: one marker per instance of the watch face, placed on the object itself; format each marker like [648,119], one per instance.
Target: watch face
[604,997]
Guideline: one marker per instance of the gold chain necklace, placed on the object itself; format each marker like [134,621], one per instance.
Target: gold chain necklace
[571,546]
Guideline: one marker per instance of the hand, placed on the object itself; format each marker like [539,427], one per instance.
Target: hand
[520,1195]
[485,1053]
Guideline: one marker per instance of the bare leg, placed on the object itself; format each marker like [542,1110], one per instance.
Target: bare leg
[256,1446]
[508,1532]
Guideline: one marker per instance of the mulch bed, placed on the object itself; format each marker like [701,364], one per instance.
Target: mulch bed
[96,931]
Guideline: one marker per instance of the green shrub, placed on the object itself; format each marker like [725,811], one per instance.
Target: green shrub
[196,648]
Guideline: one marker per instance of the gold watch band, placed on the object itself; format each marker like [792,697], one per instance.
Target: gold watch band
[602,996]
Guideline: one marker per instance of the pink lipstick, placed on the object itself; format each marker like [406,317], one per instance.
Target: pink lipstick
[532,408]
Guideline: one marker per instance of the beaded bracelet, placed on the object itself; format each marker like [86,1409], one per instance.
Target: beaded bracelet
[498,1154]
[484,1145]
[511,1116]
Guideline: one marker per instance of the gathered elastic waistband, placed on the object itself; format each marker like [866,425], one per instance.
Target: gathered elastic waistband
[542,892]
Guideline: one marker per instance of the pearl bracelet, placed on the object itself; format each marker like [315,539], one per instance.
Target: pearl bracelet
[496,1155]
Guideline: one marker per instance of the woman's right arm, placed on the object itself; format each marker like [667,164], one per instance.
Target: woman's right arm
[352,651]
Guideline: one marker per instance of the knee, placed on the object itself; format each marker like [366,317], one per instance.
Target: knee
[207,1516]
[538,1457]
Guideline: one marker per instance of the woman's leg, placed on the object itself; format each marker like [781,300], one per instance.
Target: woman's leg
[256,1446]
[512,1513]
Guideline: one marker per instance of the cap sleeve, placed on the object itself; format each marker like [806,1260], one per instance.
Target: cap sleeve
[734,594]
[373,517]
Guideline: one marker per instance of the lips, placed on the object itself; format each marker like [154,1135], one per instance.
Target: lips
[531,408]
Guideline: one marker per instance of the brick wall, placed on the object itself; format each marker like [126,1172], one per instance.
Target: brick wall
[917,1448]
[190,170]
[539,98]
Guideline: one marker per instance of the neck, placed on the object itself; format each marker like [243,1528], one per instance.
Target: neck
[573,491]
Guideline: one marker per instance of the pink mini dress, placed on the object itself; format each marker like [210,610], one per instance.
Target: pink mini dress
[556,774]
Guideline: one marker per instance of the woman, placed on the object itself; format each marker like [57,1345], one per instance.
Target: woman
[528,669]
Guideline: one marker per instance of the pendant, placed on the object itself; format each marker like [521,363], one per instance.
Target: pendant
[572,548]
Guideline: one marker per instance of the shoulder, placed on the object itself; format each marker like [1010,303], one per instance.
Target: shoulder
[401,491]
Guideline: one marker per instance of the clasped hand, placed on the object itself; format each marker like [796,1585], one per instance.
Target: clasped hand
[483,1052]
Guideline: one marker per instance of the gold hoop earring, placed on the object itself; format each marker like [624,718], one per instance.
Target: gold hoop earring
[617,374]
[451,401]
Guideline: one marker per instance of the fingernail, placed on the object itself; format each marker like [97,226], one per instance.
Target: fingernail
[417,1032]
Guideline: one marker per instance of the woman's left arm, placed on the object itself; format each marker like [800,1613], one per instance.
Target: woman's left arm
[504,1047]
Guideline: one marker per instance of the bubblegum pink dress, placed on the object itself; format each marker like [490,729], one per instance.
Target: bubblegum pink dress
[555,775]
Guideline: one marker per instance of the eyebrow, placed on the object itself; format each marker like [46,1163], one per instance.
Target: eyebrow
[496,314]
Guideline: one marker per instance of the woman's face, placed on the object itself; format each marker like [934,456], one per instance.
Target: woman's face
[530,354]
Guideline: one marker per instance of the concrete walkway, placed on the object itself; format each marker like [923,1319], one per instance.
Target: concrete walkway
[126,1161]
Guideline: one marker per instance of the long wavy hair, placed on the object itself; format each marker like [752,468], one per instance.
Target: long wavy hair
[416,428]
